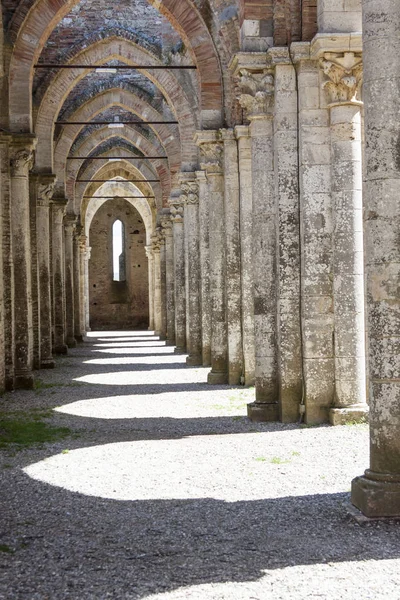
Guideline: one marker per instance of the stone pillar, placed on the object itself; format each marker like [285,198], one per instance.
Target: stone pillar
[8,265]
[69,228]
[157,282]
[204,249]
[77,285]
[211,150]
[176,208]
[232,258]
[58,208]
[84,301]
[246,252]
[87,292]
[288,237]
[186,236]
[343,81]
[190,197]
[257,99]
[21,161]
[377,493]
[316,239]
[163,287]
[34,241]
[45,188]
[170,280]
[150,259]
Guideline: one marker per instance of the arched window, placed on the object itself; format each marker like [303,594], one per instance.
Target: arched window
[118,239]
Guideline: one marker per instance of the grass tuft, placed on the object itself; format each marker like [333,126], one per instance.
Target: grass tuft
[28,429]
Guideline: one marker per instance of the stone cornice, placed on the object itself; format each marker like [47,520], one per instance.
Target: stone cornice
[335,42]
[300,51]
[228,135]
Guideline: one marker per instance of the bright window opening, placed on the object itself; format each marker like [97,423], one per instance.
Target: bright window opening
[118,238]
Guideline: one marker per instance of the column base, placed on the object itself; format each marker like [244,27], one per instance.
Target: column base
[61,349]
[72,343]
[24,381]
[169,342]
[260,412]
[194,361]
[376,498]
[217,378]
[79,338]
[162,337]
[351,414]
[9,383]
[47,364]
[180,350]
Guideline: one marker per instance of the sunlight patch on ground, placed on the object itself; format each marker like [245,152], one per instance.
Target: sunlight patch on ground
[172,405]
[331,581]
[136,344]
[159,377]
[145,360]
[108,334]
[194,467]
[146,351]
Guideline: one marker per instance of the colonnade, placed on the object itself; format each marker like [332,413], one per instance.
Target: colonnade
[45,258]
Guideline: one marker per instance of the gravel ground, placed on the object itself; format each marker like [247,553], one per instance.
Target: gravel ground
[166,491]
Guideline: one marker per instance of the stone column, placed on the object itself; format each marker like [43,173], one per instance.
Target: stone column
[8,265]
[77,285]
[87,292]
[257,99]
[176,208]
[316,229]
[84,301]
[34,241]
[232,258]
[163,286]
[377,493]
[204,249]
[288,237]
[343,81]
[157,282]
[170,282]
[45,188]
[69,228]
[150,259]
[58,208]
[211,151]
[21,161]
[190,196]
[246,252]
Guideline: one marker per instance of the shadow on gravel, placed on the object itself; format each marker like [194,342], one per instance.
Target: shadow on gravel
[84,547]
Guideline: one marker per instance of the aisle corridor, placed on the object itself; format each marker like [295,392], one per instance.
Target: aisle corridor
[164,490]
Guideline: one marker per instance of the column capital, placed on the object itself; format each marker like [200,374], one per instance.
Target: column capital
[22,154]
[300,51]
[176,208]
[254,75]
[83,240]
[166,224]
[149,252]
[228,135]
[190,190]
[59,207]
[211,151]
[45,183]
[343,77]
[70,223]
[201,176]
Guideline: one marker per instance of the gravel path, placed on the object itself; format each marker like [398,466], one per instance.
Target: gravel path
[166,491]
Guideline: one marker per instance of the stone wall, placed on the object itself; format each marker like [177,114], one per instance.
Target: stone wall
[118,304]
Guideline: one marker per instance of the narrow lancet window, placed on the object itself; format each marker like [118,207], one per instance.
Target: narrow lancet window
[118,238]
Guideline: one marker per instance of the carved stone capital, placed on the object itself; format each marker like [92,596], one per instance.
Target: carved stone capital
[83,240]
[45,189]
[58,208]
[70,223]
[344,75]
[211,157]
[257,92]
[190,192]
[166,224]
[21,161]
[149,252]
[176,208]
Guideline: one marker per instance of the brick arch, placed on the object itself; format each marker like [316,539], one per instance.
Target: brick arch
[98,169]
[44,16]
[129,53]
[133,137]
[167,143]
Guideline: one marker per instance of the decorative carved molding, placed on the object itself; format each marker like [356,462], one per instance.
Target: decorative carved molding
[21,161]
[190,192]
[344,72]
[176,208]
[211,157]
[45,193]
[257,92]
